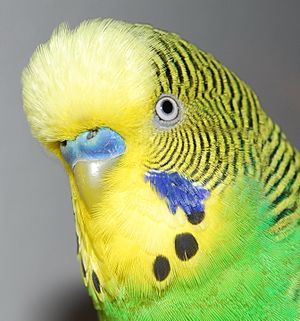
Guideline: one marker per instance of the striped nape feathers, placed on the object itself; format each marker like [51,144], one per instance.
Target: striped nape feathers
[223,134]
[181,124]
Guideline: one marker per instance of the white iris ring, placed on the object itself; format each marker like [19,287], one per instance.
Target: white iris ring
[168,111]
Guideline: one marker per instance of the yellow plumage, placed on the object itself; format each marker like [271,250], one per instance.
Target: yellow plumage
[109,94]
[108,90]
[109,74]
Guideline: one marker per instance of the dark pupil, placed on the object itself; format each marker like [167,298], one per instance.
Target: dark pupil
[167,107]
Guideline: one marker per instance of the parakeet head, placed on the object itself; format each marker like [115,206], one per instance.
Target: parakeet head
[149,128]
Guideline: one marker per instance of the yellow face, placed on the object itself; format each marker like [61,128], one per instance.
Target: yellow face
[103,78]
[105,84]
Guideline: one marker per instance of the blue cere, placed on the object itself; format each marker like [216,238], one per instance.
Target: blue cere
[102,143]
[179,191]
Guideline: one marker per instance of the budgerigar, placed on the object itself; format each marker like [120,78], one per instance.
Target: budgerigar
[186,195]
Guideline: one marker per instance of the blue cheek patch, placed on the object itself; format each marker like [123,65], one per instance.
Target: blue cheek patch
[178,191]
[103,143]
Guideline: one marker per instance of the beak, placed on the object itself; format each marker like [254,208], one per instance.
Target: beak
[89,178]
[91,155]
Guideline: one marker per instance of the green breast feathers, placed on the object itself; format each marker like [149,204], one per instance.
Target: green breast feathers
[186,195]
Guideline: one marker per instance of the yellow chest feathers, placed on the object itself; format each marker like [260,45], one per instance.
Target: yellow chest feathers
[131,241]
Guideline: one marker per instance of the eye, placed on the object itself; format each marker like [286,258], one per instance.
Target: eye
[168,111]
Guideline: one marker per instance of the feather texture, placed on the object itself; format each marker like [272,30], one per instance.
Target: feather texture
[195,221]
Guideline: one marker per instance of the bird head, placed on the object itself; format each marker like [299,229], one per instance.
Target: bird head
[126,108]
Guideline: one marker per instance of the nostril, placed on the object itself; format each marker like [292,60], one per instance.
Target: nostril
[92,134]
[94,144]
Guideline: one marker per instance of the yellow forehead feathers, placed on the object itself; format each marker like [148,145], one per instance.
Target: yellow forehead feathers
[88,77]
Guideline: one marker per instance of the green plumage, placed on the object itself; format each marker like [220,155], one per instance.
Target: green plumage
[238,259]
[259,283]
